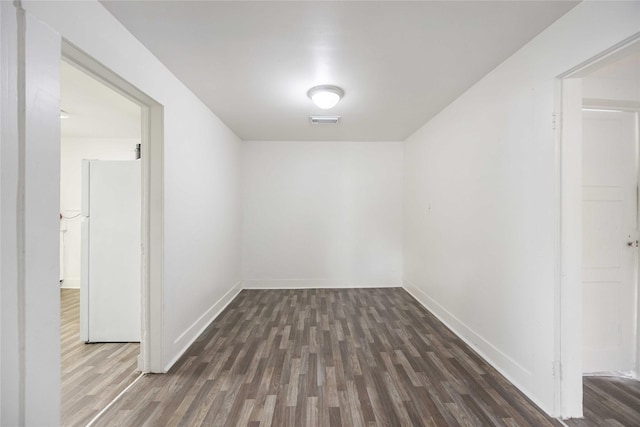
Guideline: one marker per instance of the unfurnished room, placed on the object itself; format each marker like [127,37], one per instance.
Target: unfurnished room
[319,213]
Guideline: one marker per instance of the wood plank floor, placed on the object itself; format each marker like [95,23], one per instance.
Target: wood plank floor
[92,374]
[609,401]
[326,357]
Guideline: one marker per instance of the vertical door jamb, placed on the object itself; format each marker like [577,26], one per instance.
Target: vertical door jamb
[569,292]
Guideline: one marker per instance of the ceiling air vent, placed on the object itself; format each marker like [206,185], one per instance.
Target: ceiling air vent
[324,120]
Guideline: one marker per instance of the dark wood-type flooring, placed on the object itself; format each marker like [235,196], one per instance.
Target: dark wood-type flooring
[609,401]
[92,374]
[326,357]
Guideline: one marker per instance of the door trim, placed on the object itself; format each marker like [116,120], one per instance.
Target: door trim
[152,226]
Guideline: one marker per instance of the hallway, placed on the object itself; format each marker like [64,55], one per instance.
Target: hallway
[439,169]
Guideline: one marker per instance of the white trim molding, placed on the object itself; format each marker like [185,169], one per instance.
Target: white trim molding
[188,337]
[509,368]
[319,283]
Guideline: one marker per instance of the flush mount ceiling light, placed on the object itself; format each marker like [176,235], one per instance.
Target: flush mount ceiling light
[325,96]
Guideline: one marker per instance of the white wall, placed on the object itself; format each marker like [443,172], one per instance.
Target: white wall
[322,214]
[480,212]
[201,181]
[72,151]
[611,89]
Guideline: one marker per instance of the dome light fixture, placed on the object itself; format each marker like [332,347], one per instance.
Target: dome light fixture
[325,96]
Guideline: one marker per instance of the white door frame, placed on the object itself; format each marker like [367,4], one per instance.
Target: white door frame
[150,359]
[30,168]
[29,206]
[568,289]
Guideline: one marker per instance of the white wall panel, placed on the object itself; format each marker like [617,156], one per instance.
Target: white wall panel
[322,214]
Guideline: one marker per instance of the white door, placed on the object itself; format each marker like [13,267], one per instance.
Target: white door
[609,224]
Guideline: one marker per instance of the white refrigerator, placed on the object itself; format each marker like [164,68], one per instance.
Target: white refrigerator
[110,282]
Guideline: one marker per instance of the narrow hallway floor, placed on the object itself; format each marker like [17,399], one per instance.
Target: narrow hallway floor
[92,374]
[338,357]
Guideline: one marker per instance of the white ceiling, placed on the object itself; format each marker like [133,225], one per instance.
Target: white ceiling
[95,110]
[399,63]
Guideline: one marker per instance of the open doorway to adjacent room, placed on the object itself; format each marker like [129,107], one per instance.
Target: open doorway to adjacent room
[610,106]
[600,231]
[100,243]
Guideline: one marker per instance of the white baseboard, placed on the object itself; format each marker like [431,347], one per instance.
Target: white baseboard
[509,368]
[187,338]
[317,284]
[71,283]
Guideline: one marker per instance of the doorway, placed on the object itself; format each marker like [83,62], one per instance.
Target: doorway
[599,254]
[100,212]
[151,358]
